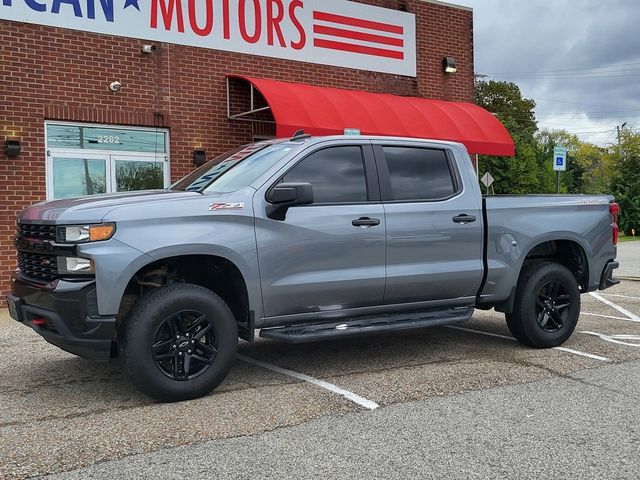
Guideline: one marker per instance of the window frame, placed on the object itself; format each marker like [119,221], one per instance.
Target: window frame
[386,190]
[372,183]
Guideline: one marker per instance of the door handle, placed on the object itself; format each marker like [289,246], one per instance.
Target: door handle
[463,218]
[365,222]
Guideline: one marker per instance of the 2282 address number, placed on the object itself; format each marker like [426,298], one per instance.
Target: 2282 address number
[108,139]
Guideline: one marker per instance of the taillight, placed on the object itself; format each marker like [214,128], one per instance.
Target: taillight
[614,209]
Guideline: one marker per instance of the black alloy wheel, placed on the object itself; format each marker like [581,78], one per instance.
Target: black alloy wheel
[552,307]
[185,345]
[546,305]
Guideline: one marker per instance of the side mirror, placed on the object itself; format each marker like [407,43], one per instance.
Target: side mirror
[286,195]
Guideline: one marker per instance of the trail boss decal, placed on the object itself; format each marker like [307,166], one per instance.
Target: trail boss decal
[330,32]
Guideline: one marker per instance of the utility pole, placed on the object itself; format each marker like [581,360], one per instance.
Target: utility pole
[619,129]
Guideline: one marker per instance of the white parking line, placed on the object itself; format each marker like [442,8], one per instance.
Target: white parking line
[363,402]
[480,332]
[562,349]
[583,354]
[619,339]
[632,316]
[603,316]
[619,296]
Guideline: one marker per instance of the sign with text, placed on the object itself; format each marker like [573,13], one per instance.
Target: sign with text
[328,32]
[560,159]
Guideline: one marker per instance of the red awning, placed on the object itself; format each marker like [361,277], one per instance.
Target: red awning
[328,111]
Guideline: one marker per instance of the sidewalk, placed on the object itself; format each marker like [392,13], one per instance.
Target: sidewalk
[629,258]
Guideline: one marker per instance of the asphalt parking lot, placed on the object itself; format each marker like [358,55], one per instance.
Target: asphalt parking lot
[428,391]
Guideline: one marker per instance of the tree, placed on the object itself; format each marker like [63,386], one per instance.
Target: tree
[133,176]
[586,163]
[626,181]
[522,174]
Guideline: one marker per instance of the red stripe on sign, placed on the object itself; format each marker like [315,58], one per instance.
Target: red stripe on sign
[367,37]
[357,22]
[348,47]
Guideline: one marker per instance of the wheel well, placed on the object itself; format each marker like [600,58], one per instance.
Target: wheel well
[214,273]
[565,252]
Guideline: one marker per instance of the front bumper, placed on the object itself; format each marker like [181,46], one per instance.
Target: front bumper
[65,314]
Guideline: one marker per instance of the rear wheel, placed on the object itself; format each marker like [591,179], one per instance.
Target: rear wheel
[547,305]
[178,342]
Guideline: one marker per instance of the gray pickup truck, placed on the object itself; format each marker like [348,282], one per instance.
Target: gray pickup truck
[302,239]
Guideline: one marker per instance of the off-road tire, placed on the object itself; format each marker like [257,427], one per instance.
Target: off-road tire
[139,342]
[529,322]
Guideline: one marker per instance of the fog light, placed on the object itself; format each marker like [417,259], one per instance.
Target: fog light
[74,265]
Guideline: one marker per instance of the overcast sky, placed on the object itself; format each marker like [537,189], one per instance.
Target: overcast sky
[578,59]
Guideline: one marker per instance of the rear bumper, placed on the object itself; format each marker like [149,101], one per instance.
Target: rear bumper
[606,279]
[65,314]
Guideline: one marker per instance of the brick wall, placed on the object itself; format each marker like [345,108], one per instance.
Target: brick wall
[52,73]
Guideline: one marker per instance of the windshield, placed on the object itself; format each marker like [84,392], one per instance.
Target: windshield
[238,167]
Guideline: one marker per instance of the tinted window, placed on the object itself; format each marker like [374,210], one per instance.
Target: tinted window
[418,173]
[336,174]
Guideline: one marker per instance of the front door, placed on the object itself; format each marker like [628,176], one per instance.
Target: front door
[325,258]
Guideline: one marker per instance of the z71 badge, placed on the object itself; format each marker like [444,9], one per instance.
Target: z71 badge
[227,206]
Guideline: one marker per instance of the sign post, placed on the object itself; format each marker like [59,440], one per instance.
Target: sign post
[559,164]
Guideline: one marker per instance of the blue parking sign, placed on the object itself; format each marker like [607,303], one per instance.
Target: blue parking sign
[560,159]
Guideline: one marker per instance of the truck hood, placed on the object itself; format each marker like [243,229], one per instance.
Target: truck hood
[92,209]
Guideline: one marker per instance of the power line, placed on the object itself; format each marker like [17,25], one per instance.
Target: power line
[573,103]
[570,69]
[572,77]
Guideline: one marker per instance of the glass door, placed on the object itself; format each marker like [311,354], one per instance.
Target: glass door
[76,174]
[95,159]
[137,172]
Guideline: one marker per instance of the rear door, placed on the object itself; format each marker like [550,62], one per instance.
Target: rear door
[434,226]
[329,256]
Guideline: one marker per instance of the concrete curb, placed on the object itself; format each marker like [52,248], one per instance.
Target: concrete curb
[624,277]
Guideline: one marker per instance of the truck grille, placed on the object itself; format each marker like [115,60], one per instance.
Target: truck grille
[35,259]
[38,266]
[40,232]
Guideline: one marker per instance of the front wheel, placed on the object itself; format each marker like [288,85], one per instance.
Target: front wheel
[547,306]
[178,342]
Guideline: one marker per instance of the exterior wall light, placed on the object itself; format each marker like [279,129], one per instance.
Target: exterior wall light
[199,157]
[13,147]
[449,65]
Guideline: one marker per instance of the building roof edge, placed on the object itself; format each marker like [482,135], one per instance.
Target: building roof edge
[447,4]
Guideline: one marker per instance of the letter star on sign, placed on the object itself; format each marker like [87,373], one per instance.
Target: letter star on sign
[132,3]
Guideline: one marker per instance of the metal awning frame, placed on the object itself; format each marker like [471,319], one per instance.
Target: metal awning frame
[245,116]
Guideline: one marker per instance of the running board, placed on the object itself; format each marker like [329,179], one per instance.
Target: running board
[365,325]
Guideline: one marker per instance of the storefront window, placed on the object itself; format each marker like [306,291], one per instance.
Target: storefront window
[136,175]
[74,177]
[102,138]
[90,160]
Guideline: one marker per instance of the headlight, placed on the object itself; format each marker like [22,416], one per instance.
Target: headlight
[86,233]
[74,266]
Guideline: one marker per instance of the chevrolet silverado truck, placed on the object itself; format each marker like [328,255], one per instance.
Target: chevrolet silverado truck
[302,239]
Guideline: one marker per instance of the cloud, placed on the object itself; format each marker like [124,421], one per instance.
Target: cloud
[579,60]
